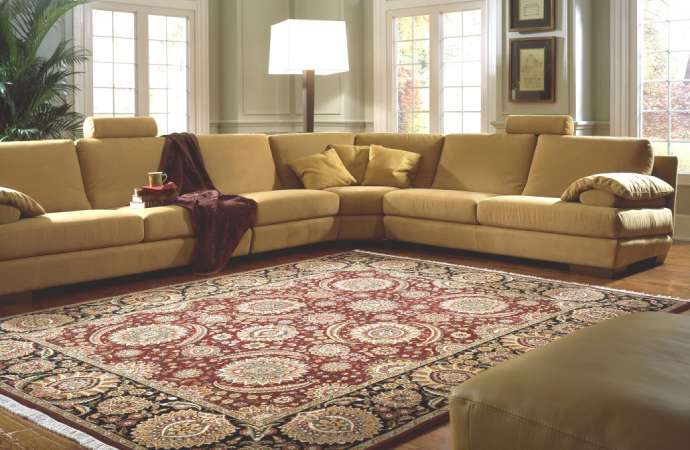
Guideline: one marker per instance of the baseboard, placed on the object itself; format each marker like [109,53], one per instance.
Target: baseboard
[682,228]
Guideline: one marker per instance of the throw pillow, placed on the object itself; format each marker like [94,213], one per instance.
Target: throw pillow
[355,158]
[390,167]
[628,186]
[27,206]
[9,214]
[595,197]
[322,170]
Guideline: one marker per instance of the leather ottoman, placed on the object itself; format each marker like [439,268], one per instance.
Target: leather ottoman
[622,384]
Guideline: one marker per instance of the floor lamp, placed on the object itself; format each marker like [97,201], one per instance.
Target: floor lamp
[309,47]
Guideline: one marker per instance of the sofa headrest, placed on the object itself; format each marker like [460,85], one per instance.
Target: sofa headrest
[562,125]
[119,127]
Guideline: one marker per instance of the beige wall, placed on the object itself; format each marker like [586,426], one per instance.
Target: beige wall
[244,98]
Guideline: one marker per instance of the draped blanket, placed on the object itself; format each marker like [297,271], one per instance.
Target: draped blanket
[219,220]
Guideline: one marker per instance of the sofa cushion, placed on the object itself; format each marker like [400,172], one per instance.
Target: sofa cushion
[560,160]
[434,204]
[288,147]
[619,384]
[497,163]
[322,170]
[112,168]
[238,163]
[48,171]
[293,204]
[164,222]
[552,215]
[391,167]
[361,200]
[69,231]
[427,145]
[9,214]
[536,124]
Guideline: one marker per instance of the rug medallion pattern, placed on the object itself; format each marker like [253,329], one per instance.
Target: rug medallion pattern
[337,352]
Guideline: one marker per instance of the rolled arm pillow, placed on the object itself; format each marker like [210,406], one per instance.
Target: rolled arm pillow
[24,205]
[624,186]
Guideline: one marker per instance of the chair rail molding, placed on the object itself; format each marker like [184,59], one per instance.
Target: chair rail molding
[624,68]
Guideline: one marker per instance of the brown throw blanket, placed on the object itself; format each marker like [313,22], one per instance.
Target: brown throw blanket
[219,220]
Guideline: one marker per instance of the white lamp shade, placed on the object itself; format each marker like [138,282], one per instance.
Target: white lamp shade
[318,45]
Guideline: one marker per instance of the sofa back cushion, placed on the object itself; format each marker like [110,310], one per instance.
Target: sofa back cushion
[560,160]
[545,124]
[426,145]
[113,167]
[492,163]
[48,171]
[289,147]
[239,163]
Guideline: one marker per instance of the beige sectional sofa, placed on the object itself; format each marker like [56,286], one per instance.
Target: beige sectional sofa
[488,193]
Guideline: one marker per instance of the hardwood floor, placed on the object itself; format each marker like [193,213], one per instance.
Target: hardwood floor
[670,279]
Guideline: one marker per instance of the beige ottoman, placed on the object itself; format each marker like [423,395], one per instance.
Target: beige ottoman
[623,384]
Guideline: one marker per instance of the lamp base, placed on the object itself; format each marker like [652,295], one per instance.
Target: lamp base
[308,98]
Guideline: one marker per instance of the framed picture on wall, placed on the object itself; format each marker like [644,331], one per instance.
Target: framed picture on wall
[532,15]
[533,70]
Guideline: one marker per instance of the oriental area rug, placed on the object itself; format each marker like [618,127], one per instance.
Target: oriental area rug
[343,351]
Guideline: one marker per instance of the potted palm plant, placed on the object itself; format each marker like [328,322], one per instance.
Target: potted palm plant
[36,90]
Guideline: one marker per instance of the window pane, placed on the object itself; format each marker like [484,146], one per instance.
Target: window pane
[451,122]
[161,122]
[655,66]
[472,74]
[421,27]
[472,23]
[177,77]
[421,122]
[102,101]
[123,24]
[404,52]
[102,49]
[157,52]
[452,74]
[123,50]
[680,126]
[177,53]
[452,99]
[403,28]
[451,49]
[452,24]
[124,101]
[177,101]
[421,75]
[655,125]
[102,75]
[680,66]
[471,99]
[125,76]
[471,123]
[102,23]
[471,48]
[679,35]
[682,151]
[157,28]
[158,101]
[655,37]
[655,96]
[177,29]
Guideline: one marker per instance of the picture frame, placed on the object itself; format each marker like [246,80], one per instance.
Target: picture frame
[533,70]
[532,15]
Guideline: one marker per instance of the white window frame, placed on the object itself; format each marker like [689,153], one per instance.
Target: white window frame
[196,11]
[626,71]
[384,86]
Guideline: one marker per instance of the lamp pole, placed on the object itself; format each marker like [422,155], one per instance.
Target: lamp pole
[308,99]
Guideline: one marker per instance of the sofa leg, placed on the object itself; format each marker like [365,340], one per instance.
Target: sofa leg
[661,259]
[598,271]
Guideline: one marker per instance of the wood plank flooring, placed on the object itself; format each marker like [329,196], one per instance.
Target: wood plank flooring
[672,279]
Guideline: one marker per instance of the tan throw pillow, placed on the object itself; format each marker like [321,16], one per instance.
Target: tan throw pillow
[27,206]
[355,158]
[628,186]
[322,170]
[9,214]
[390,167]
[595,197]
